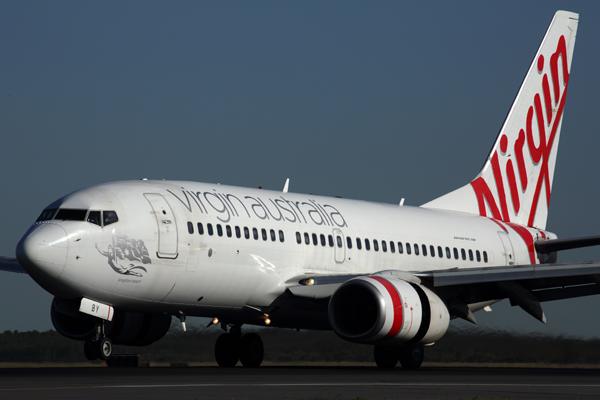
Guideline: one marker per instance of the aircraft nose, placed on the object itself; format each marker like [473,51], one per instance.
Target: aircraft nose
[44,251]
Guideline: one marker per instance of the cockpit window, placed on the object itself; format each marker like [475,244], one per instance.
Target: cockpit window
[100,218]
[110,217]
[70,214]
[95,218]
[47,215]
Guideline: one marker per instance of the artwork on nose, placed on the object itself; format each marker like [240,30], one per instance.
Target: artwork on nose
[125,255]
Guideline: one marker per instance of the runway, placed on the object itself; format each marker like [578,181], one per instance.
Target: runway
[299,383]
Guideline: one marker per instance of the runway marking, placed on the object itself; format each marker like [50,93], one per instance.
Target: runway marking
[227,384]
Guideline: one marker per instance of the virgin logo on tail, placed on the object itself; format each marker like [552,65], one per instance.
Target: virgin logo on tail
[515,183]
[548,112]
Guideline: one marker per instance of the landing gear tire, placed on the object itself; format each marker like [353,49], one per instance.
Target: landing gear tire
[90,350]
[227,350]
[104,348]
[385,356]
[411,357]
[251,350]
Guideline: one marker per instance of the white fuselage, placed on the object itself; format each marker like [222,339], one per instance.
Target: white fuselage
[160,257]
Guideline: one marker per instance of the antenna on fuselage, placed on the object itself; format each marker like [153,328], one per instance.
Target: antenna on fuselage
[182,320]
[401,202]
[286,186]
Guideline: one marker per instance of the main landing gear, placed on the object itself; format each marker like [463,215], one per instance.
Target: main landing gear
[410,357]
[99,347]
[234,346]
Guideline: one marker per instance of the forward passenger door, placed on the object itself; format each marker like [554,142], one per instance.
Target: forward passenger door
[167,226]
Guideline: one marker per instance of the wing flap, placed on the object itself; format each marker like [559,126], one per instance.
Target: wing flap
[525,286]
[513,273]
[567,292]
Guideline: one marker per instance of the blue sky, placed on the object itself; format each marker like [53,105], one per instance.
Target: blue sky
[368,100]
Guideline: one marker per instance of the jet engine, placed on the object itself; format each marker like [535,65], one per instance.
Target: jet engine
[378,310]
[126,328]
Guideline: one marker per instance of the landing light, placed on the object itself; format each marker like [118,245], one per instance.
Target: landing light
[215,321]
[267,319]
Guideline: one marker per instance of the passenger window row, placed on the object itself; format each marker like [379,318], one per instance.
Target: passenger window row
[229,232]
[329,240]
[413,248]
[320,239]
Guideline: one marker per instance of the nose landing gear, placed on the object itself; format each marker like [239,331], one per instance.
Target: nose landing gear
[94,349]
[233,346]
[99,347]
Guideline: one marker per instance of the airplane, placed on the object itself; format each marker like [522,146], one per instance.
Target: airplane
[121,259]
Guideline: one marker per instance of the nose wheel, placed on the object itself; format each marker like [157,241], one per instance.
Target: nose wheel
[90,350]
[105,348]
[101,348]
[233,347]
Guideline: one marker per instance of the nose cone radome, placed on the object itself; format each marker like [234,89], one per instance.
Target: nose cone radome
[43,252]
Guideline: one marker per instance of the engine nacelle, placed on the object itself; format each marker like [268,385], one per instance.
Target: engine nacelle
[378,310]
[126,328]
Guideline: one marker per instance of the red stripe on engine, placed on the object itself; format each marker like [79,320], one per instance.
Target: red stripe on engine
[396,304]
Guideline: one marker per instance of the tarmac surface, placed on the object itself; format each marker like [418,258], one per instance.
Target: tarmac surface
[313,383]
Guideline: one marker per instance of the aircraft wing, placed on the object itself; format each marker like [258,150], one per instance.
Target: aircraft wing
[11,265]
[525,285]
[541,276]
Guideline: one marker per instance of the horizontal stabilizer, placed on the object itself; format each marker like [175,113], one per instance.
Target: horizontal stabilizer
[550,246]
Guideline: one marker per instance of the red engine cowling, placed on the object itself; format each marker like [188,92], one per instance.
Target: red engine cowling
[378,310]
[126,328]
